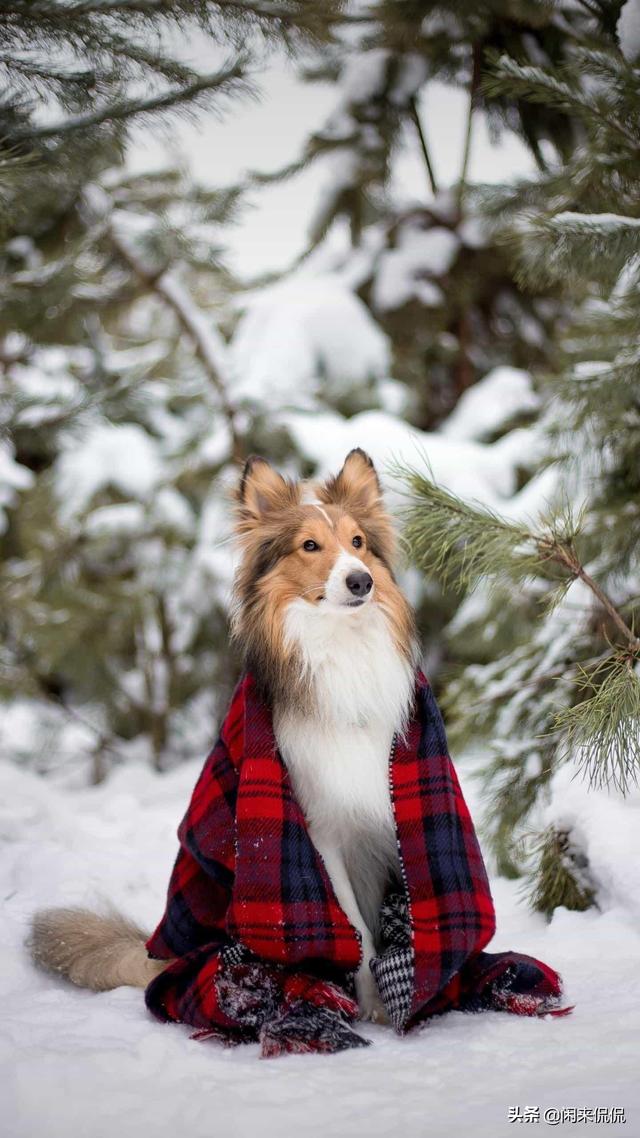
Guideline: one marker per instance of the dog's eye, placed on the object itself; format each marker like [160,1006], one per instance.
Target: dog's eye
[310,546]
[357,542]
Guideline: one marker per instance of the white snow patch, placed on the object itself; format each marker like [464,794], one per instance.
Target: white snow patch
[45,737]
[124,518]
[301,335]
[611,221]
[171,508]
[124,456]
[606,827]
[13,478]
[469,469]
[496,399]
[401,271]
[103,1067]
[629,29]
[363,76]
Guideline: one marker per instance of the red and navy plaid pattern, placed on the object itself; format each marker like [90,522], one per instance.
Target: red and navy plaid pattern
[450,906]
[251,909]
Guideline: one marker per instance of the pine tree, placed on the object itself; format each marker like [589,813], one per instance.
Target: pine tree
[75,76]
[116,413]
[558,598]
[111,598]
[431,274]
[86,64]
[114,347]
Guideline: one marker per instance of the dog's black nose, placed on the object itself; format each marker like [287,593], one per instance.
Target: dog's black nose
[359,583]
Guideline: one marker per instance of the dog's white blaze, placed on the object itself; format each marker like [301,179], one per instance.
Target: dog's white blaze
[338,758]
[324,514]
[336,591]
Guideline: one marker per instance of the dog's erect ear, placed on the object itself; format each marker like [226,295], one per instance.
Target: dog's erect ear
[263,491]
[356,485]
[357,490]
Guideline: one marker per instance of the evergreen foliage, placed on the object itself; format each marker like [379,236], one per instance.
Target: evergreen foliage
[117,421]
[113,544]
[563,876]
[74,75]
[561,681]
[430,272]
[117,310]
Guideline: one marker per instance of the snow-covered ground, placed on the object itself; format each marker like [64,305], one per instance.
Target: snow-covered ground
[78,1065]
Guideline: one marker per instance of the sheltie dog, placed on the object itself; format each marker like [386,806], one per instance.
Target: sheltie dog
[330,638]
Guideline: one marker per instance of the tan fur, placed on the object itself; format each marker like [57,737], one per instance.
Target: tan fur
[93,951]
[272,524]
[356,490]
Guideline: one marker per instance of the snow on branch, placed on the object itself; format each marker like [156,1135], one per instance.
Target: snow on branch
[208,344]
[463,543]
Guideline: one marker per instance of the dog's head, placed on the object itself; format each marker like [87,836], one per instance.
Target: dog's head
[317,562]
[331,545]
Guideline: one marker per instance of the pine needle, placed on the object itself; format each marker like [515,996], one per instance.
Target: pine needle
[460,542]
[601,734]
[561,875]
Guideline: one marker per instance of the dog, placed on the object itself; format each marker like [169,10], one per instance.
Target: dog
[331,640]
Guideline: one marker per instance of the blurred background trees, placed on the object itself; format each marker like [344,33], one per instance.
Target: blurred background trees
[558,601]
[494,326]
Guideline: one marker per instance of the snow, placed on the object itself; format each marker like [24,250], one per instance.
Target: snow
[123,455]
[201,327]
[74,1063]
[606,828]
[48,377]
[503,393]
[13,478]
[274,230]
[400,271]
[170,508]
[629,30]
[469,469]
[125,518]
[43,736]
[363,76]
[304,336]
[598,221]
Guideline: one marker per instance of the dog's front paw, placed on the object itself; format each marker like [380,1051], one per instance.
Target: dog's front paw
[369,1002]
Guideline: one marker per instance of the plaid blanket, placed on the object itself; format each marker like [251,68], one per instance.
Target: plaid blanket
[261,947]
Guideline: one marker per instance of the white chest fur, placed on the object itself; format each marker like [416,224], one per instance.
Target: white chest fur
[338,758]
[339,774]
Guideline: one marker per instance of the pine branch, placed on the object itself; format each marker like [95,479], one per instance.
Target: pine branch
[298,14]
[474,86]
[564,554]
[574,244]
[561,875]
[415,116]
[510,79]
[498,693]
[199,331]
[226,81]
[462,542]
[26,659]
[601,733]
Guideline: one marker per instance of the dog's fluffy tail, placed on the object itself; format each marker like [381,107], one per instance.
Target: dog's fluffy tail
[93,951]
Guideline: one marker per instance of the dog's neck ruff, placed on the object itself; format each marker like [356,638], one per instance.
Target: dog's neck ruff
[354,671]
